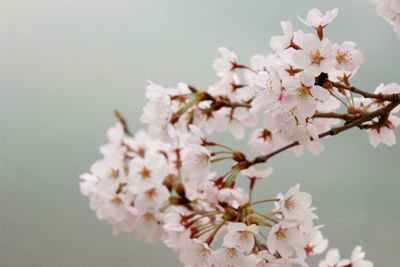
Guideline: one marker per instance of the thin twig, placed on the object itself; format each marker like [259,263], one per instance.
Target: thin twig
[123,122]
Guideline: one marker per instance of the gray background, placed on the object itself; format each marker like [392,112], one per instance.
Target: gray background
[66,64]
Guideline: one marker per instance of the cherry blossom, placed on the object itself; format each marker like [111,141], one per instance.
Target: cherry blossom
[347,57]
[303,94]
[285,238]
[296,205]
[384,133]
[316,245]
[226,63]
[279,43]
[315,56]
[241,236]
[195,253]
[229,256]
[162,184]
[315,18]
[390,11]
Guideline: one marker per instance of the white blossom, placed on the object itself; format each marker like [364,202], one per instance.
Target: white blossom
[347,57]
[390,11]
[241,236]
[315,56]
[315,18]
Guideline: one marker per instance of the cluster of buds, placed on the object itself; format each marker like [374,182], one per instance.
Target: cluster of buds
[161,185]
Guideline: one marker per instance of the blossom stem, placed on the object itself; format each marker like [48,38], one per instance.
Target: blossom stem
[221,152]
[265,201]
[214,233]
[220,145]
[265,224]
[339,99]
[235,170]
[265,217]
[241,66]
[220,159]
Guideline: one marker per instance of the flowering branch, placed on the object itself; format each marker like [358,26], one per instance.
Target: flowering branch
[355,121]
[160,184]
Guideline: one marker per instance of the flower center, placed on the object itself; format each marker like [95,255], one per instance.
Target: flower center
[202,252]
[315,56]
[281,234]
[269,85]
[145,173]
[116,201]
[303,92]
[231,253]
[343,56]
[265,135]
[245,236]
[202,157]
[290,204]
[148,217]
[151,193]
[114,173]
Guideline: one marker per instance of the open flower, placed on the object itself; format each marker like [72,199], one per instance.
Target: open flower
[279,43]
[347,57]
[152,198]
[315,18]
[315,56]
[303,94]
[384,133]
[296,205]
[145,172]
[226,63]
[240,236]
[196,162]
[390,11]
[196,253]
[285,238]
[229,257]
[317,244]
[357,258]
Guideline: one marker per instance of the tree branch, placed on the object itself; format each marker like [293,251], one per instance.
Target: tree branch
[385,111]
[384,97]
[333,115]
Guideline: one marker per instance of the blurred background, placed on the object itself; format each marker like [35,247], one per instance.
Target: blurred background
[65,65]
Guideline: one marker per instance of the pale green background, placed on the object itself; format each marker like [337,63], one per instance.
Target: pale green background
[66,64]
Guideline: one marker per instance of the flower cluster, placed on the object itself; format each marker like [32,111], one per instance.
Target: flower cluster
[390,11]
[161,185]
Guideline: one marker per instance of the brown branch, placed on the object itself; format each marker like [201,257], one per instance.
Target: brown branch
[333,115]
[123,122]
[382,112]
[380,96]
[219,101]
